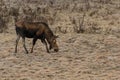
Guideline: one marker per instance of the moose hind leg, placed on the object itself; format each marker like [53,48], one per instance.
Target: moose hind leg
[17,40]
[24,45]
[34,41]
[44,42]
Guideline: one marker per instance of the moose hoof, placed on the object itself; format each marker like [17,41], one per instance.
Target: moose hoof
[26,52]
[48,51]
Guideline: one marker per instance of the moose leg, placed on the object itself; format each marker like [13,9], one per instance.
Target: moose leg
[34,41]
[24,45]
[50,47]
[17,40]
[44,42]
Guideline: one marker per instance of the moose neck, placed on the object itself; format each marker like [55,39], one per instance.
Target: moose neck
[49,34]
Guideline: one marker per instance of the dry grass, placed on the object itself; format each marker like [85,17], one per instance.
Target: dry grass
[81,57]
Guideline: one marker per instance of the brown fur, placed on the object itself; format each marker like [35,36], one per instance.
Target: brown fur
[35,30]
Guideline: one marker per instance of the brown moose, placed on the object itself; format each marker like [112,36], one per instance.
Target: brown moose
[35,30]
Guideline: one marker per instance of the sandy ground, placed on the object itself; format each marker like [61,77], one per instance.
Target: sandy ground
[81,57]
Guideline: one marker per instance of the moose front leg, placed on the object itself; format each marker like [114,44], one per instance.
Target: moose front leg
[34,41]
[44,42]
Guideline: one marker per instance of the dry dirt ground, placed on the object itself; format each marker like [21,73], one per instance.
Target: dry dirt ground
[81,57]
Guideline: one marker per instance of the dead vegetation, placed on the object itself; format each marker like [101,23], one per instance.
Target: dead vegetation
[82,16]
